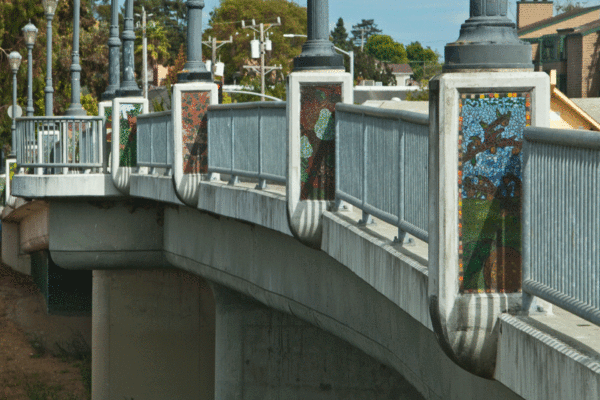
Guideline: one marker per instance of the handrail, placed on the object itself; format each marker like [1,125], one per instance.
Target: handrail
[249,140]
[155,141]
[66,143]
[381,165]
[561,260]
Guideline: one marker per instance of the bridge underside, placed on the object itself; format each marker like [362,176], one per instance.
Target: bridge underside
[169,281]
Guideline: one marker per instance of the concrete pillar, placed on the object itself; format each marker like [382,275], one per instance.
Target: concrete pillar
[152,335]
[261,353]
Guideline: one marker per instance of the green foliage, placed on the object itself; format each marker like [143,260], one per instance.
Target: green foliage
[424,62]
[170,20]
[14,15]
[363,30]
[420,95]
[90,104]
[224,22]
[369,68]
[157,46]
[384,48]
[340,36]
[172,74]
[566,6]
[252,84]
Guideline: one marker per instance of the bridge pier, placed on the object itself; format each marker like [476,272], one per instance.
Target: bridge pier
[261,353]
[152,335]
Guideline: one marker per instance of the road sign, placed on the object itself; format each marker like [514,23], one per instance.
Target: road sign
[18,113]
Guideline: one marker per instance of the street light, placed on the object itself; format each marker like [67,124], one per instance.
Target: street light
[49,10]
[14,60]
[30,34]
[348,53]
[75,109]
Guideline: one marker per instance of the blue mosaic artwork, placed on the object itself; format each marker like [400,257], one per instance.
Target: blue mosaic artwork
[490,188]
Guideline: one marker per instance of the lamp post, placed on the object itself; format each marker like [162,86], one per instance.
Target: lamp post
[14,59]
[317,52]
[49,9]
[350,53]
[75,108]
[128,86]
[114,44]
[30,34]
[194,69]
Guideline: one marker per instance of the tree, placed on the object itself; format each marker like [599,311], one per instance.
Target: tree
[424,62]
[93,52]
[369,68]
[568,5]
[384,48]
[158,45]
[362,31]
[171,15]
[340,36]
[224,22]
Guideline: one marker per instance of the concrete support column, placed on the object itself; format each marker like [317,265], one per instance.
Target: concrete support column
[152,335]
[261,353]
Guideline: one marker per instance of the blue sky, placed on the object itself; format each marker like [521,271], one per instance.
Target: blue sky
[432,22]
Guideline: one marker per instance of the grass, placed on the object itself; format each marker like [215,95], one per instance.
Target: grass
[78,352]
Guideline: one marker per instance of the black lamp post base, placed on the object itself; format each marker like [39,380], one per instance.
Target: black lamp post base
[129,92]
[487,56]
[311,63]
[191,76]
[109,94]
[75,110]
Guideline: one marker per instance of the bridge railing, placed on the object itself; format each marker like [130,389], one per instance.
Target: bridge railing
[61,144]
[155,141]
[561,214]
[248,140]
[382,163]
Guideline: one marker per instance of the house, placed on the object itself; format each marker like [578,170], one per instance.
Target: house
[568,43]
[565,113]
[402,73]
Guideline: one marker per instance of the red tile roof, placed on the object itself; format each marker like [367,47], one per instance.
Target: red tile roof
[400,68]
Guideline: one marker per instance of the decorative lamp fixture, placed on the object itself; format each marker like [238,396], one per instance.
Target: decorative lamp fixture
[49,6]
[30,33]
[14,59]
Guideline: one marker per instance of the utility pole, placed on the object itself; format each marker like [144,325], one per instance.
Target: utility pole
[362,37]
[215,44]
[260,28]
[145,49]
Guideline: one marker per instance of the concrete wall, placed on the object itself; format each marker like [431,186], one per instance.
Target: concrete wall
[531,12]
[567,23]
[263,354]
[152,336]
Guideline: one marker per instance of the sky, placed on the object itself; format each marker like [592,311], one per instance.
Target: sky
[431,22]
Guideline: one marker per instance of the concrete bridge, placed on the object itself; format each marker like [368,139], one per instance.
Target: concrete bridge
[232,255]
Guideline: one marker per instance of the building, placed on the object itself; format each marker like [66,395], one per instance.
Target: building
[567,43]
[402,73]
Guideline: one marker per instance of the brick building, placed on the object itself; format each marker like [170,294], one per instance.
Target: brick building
[568,43]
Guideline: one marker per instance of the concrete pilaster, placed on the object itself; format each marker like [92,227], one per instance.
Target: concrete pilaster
[152,335]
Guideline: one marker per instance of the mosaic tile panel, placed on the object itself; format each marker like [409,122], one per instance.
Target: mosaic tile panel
[108,123]
[194,123]
[317,140]
[128,134]
[490,190]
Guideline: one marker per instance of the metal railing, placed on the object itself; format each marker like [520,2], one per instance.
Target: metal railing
[381,165]
[61,144]
[561,218]
[249,140]
[155,141]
